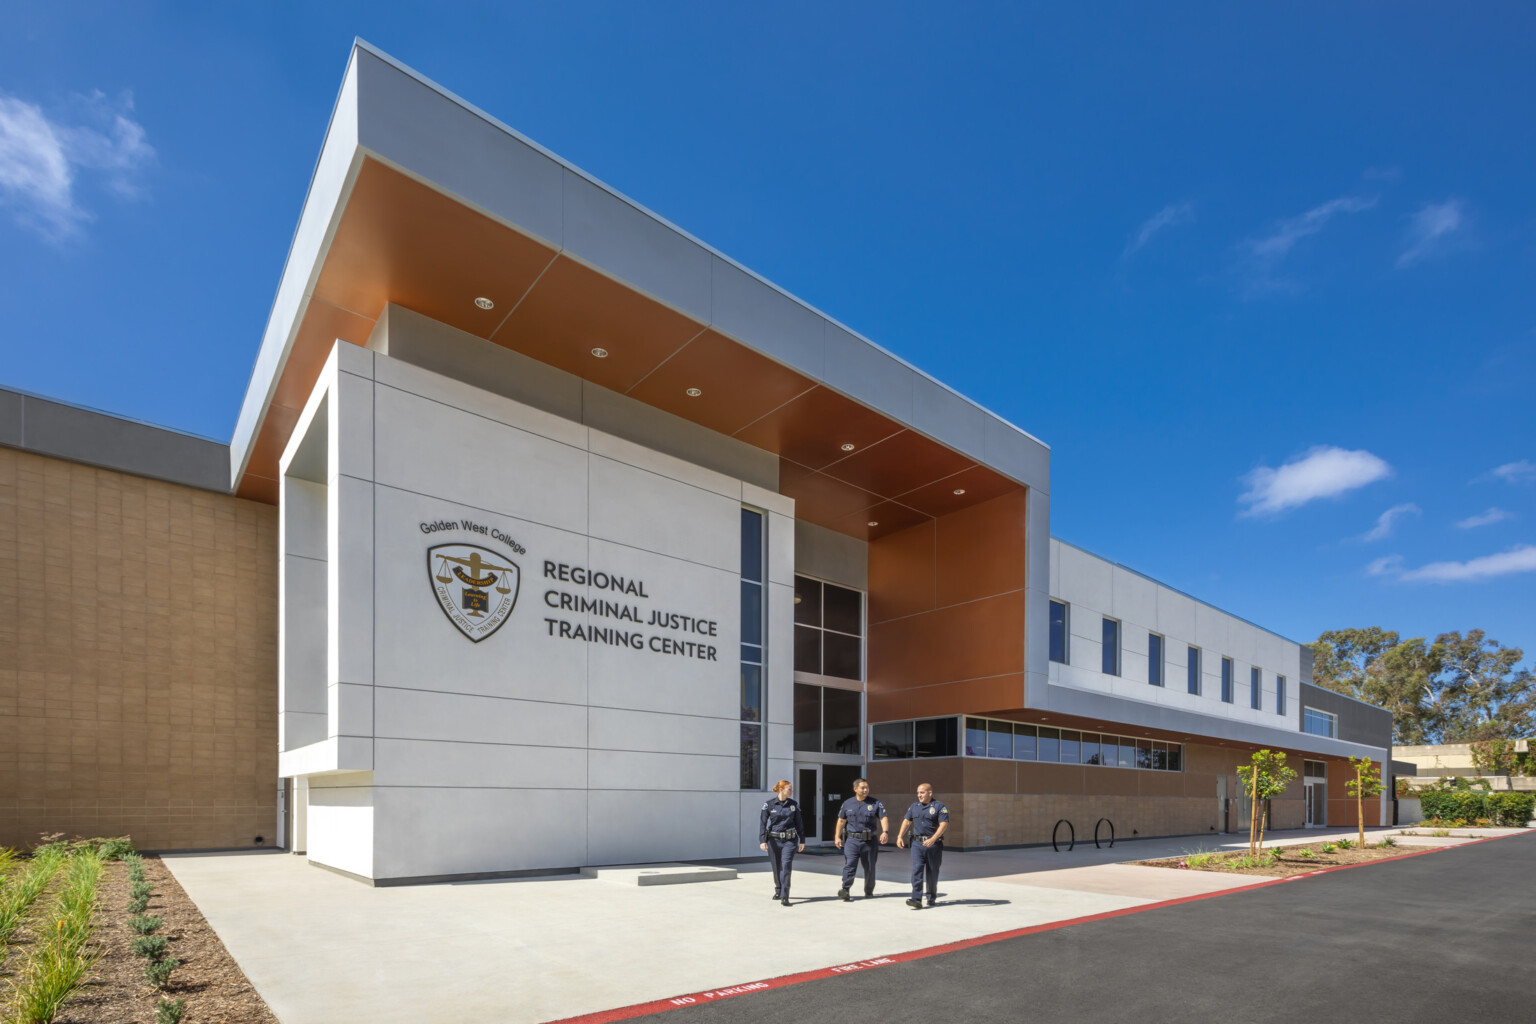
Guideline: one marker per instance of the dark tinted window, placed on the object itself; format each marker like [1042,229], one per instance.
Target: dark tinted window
[1226,680]
[1127,753]
[751,612]
[1069,746]
[751,545]
[808,650]
[751,755]
[807,601]
[1026,743]
[893,739]
[1280,695]
[999,739]
[1058,632]
[1256,689]
[936,737]
[840,721]
[1111,648]
[1154,659]
[1050,744]
[751,693]
[1194,670]
[1175,758]
[1089,754]
[807,717]
[976,737]
[842,656]
[842,610]
[1143,753]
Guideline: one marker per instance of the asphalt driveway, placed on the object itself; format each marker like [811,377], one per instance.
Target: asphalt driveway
[1444,937]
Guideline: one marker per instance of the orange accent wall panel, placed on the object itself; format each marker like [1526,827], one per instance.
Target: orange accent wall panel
[946,612]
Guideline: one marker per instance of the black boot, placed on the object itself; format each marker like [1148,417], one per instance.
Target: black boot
[915,904]
[785,900]
[842,894]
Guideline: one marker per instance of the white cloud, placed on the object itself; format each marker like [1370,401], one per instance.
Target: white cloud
[1429,228]
[1169,216]
[40,160]
[1521,558]
[1384,522]
[1522,472]
[1287,233]
[1323,472]
[1386,565]
[1493,515]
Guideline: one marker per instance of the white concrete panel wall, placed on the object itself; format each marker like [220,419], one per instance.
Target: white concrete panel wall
[529,749]
[1094,588]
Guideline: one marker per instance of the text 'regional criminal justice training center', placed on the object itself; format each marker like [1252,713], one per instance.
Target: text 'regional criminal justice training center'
[549,536]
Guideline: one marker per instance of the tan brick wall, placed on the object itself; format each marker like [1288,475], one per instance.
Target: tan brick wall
[138,658]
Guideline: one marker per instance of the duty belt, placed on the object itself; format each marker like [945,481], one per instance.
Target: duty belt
[861,835]
[791,834]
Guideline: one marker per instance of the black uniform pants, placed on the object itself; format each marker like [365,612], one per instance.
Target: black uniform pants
[781,857]
[858,852]
[925,866]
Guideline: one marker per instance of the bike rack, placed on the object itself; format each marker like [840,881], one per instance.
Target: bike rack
[1103,821]
[1071,835]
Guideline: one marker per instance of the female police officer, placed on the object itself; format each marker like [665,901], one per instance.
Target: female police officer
[781,832]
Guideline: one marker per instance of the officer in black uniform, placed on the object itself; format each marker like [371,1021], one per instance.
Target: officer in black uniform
[862,826]
[781,832]
[926,822]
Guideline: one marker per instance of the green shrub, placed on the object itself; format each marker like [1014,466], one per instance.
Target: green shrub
[1199,860]
[145,925]
[1307,852]
[169,1011]
[151,947]
[115,848]
[141,889]
[158,972]
[1344,844]
[138,904]
[1507,809]
[1330,847]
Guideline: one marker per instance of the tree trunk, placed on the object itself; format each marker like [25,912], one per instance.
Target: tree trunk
[1254,833]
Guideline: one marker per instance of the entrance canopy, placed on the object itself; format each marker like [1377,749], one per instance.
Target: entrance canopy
[421,200]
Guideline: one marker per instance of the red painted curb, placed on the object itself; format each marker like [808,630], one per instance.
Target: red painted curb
[784,981]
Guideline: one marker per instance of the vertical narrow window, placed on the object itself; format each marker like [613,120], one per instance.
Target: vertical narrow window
[1194,671]
[1154,659]
[753,609]
[1111,647]
[1256,689]
[1059,632]
[1280,695]
[1226,680]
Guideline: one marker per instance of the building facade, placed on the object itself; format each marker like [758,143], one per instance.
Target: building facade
[574,536]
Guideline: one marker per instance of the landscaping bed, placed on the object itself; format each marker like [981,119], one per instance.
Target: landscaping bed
[92,933]
[215,989]
[1282,861]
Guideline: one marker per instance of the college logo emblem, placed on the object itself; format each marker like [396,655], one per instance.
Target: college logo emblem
[475,587]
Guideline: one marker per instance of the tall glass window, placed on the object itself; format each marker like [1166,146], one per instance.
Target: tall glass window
[1111,647]
[827,719]
[1319,723]
[752,610]
[1226,680]
[1256,689]
[1154,659]
[1194,671]
[1059,632]
[829,629]
[1280,694]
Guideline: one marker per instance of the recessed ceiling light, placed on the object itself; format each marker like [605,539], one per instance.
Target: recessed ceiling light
[484,303]
[693,392]
[873,522]
[847,447]
[601,353]
[959,490]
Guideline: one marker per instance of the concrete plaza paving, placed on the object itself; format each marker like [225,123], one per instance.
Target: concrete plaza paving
[321,947]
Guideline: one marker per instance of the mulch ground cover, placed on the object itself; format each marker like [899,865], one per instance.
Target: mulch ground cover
[1292,861]
[216,990]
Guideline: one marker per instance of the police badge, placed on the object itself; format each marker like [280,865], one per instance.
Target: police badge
[475,587]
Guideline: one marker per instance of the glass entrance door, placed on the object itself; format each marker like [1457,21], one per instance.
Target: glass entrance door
[808,792]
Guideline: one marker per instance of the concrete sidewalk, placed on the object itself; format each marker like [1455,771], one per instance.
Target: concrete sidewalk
[323,948]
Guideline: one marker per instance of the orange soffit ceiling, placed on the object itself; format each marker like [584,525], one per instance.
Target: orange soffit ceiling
[400,241]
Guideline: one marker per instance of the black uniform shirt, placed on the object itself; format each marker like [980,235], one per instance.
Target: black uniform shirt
[925,818]
[780,816]
[862,815]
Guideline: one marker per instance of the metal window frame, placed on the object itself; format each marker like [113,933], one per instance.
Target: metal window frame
[1119,738]
[1162,661]
[1119,645]
[1066,632]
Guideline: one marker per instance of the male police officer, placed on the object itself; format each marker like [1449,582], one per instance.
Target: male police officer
[859,838]
[927,821]
[781,831]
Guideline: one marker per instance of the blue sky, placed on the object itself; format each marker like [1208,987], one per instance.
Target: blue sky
[1261,278]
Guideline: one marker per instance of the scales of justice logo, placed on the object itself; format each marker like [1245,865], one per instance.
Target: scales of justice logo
[475,587]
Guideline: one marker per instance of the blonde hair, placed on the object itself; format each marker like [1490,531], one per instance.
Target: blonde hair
[781,785]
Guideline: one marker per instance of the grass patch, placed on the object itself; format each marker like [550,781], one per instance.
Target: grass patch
[60,957]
